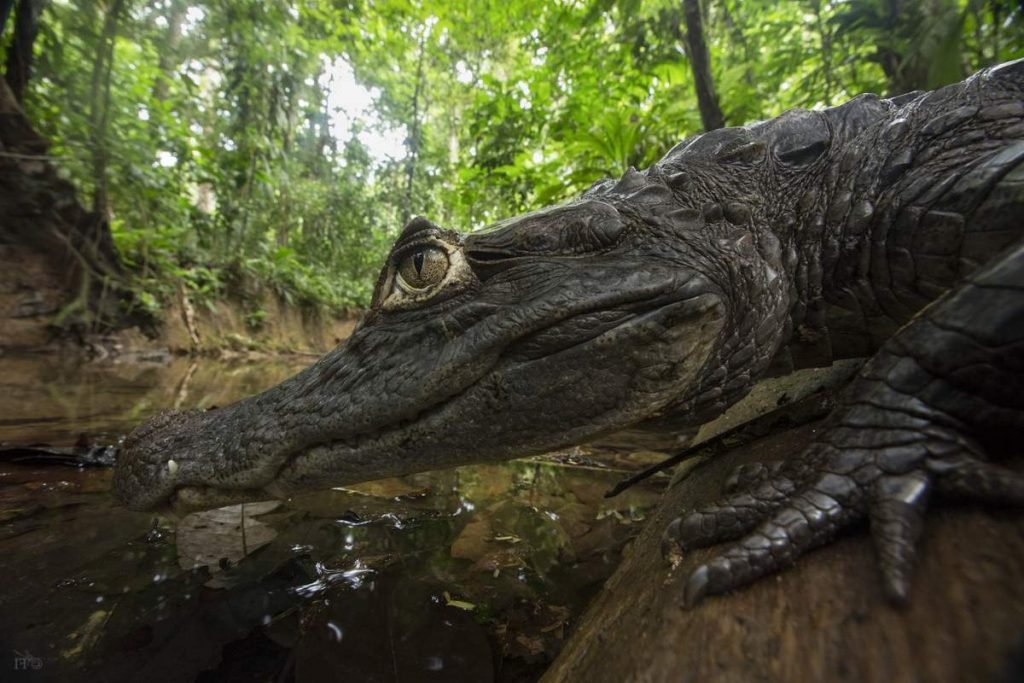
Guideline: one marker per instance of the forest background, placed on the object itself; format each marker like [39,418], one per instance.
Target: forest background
[280,145]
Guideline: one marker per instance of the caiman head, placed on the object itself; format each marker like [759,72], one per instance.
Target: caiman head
[540,332]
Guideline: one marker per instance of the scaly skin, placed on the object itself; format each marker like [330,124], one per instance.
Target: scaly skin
[655,302]
[909,424]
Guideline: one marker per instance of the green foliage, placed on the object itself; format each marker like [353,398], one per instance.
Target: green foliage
[225,166]
[255,318]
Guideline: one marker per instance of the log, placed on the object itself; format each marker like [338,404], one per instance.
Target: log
[825,618]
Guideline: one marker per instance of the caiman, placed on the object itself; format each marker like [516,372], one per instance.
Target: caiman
[882,228]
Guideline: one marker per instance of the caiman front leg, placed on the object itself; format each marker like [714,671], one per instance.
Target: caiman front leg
[919,419]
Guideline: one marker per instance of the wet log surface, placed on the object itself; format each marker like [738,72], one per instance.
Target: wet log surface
[823,619]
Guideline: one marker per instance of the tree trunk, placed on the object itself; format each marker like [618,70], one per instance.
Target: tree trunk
[825,43]
[414,137]
[19,55]
[6,7]
[169,54]
[700,62]
[99,109]
[823,619]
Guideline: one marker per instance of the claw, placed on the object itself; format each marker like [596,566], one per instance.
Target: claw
[897,519]
[696,586]
[670,546]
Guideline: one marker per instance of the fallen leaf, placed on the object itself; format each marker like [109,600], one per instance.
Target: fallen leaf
[214,538]
[461,604]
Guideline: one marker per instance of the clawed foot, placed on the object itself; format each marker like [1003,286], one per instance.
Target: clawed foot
[871,464]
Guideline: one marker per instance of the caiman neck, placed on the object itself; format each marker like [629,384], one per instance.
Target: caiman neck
[747,267]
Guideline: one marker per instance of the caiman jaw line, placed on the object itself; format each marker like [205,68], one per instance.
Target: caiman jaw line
[188,498]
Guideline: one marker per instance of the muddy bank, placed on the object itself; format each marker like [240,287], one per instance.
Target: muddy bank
[229,327]
[35,306]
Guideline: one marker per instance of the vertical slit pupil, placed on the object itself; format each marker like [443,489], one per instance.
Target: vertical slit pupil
[417,261]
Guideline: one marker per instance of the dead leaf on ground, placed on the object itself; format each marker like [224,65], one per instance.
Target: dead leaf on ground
[214,538]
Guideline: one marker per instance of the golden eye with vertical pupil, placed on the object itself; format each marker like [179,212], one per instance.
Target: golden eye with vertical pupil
[423,268]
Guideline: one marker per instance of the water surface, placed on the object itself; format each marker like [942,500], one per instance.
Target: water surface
[471,574]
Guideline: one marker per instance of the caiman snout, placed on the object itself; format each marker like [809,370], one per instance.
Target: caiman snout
[163,462]
[146,474]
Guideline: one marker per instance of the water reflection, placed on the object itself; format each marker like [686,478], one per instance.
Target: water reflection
[472,574]
[47,399]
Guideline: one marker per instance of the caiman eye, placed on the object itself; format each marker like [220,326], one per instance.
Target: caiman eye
[423,268]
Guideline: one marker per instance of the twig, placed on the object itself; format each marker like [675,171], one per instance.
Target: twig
[29,157]
[810,407]
[631,481]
